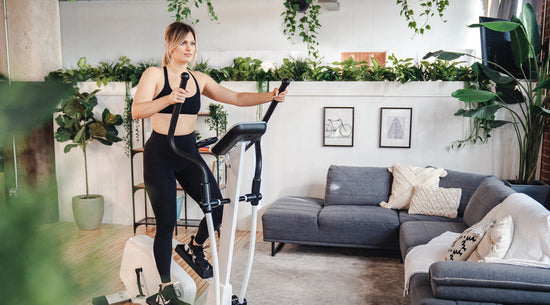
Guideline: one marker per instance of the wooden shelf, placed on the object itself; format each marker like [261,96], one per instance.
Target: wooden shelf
[150,221]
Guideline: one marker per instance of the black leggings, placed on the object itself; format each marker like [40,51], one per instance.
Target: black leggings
[161,168]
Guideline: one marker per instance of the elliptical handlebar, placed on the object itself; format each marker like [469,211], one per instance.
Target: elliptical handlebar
[171,139]
[284,83]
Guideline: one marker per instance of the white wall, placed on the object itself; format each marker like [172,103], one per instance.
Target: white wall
[295,160]
[106,30]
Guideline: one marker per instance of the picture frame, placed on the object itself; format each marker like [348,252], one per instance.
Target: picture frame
[338,126]
[395,127]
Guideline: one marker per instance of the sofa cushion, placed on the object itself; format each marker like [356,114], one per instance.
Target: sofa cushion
[531,241]
[467,182]
[405,178]
[292,219]
[490,192]
[435,200]
[489,282]
[359,225]
[404,216]
[414,233]
[347,185]
[468,240]
[495,243]
[420,293]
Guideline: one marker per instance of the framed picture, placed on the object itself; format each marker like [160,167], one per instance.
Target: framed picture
[395,127]
[338,126]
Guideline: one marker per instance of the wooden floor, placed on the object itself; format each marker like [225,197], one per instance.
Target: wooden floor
[96,256]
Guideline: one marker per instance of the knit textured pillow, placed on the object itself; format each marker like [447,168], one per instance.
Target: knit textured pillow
[405,178]
[467,242]
[434,200]
[494,245]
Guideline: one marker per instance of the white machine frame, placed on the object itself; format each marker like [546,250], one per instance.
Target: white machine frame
[222,292]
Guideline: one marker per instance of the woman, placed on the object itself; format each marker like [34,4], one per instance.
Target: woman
[157,92]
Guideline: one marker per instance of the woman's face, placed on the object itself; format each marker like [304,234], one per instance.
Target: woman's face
[186,50]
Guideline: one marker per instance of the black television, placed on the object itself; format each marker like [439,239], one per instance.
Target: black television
[496,47]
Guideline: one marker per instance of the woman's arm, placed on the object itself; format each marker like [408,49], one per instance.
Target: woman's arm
[144,106]
[219,93]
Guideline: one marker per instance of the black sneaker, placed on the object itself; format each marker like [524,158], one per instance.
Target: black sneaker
[166,296]
[194,256]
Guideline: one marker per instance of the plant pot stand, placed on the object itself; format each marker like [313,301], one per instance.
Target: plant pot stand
[538,191]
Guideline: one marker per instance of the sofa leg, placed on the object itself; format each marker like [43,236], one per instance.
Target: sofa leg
[275,249]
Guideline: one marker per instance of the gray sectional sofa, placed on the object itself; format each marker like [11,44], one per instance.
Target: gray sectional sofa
[350,216]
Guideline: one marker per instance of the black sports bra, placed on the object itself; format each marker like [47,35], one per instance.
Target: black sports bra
[192,104]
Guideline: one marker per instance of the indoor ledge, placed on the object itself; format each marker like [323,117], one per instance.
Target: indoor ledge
[323,88]
[388,89]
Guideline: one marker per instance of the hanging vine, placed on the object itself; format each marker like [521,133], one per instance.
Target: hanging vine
[428,9]
[182,9]
[306,27]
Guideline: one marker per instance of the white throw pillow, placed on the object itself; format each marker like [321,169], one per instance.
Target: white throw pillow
[467,242]
[495,243]
[405,178]
[531,241]
[435,200]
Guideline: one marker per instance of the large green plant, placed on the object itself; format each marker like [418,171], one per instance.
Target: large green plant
[428,9]
[307,26]
[78,124]
[522,99]
[182,9]
[217,118]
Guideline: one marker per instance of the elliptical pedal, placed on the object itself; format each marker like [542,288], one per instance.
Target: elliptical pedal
[235,301]
[204,273]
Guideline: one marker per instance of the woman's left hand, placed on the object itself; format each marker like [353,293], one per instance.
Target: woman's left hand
[279,97]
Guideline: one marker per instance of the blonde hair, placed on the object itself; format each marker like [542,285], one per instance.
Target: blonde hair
[173,37]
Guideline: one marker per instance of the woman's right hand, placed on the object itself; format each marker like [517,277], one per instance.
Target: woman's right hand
[178,95]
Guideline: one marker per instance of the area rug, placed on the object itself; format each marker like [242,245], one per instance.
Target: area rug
[320,275]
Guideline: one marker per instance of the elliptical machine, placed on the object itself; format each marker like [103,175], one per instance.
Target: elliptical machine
[233,144]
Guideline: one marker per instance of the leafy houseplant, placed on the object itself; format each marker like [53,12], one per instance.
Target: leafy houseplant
[182,9]
[428,8]
[77,123]
[522,99]
[307,26]
[217,118]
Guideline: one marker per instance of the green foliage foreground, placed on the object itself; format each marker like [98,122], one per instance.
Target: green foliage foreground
[32,269]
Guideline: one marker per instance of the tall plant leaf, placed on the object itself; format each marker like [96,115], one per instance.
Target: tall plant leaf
[444,55]
[529,20]
[545,84]
[473,95]
[496,76]
[499,26]
[485,112]
[540,111]
[519,43]
[510,95]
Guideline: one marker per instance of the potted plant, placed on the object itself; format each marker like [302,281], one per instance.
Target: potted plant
[307,26]
[522,99]
[78,124]
[217,118]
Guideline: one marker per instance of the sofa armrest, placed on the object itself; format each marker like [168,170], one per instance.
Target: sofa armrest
[490,282]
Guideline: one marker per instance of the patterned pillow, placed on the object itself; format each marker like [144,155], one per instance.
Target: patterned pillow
[467,242]
[434,200]
[405,178]
[494,245]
